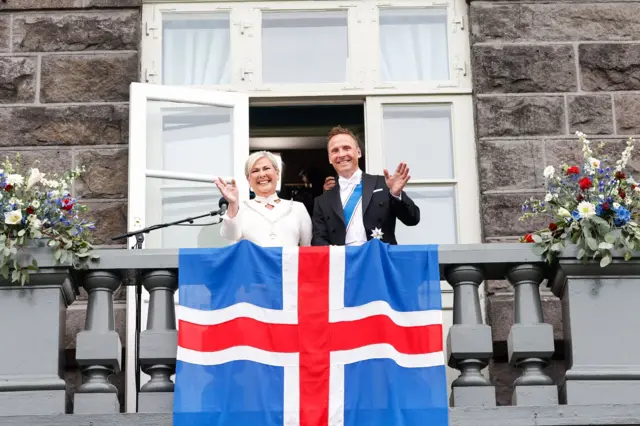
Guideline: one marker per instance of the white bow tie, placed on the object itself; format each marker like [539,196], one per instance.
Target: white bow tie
[344,182]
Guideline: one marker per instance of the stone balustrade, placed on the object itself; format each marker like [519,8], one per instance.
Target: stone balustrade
[598,307]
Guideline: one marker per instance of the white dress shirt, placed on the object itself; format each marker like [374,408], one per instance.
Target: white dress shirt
[356,234]
[287,224]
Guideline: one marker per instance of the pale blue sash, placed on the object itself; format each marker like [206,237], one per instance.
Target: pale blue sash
[352,203]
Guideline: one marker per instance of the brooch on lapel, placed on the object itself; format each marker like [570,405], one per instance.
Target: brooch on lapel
[377,233]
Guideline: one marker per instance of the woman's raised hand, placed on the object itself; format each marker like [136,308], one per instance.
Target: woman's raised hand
[228,191]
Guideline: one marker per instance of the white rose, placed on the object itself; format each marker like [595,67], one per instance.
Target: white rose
[548,197]
[616,205]
[15,180]
[562,212]
[594,162]
[35,204]
[549,171]
[13,217]
[34,178]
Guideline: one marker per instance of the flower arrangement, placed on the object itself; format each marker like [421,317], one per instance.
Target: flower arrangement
[594,205]
[34,207]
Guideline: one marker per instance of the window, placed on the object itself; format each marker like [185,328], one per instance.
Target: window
[297,48]
[434,136]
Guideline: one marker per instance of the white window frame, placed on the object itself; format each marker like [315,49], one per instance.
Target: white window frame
[465,179]
[363,75]
[140,95]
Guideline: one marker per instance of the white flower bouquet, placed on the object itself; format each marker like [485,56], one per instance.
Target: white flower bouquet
[593,205]
[35,207]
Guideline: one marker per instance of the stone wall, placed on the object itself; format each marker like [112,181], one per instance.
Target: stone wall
[541,71]
[65,69]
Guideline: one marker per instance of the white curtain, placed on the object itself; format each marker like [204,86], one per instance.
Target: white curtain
[304,47]
[196,51]
[413,45]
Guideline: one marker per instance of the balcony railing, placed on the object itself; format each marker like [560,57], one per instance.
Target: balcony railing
[601,319]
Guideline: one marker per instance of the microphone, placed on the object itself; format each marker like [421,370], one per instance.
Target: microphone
[224,205]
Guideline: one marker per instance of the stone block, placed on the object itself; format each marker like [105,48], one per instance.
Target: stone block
[36,402]
[511,164]
[535,396]
[47,160]
[502,116]
[503,375]
[96,403]
[473,396]
[17,79]
[524,68]
[76,317]
[5,33]
[75,31]
[530,341]
[40,4]
[110,219]
[627,108]
[72,125]
[592,392]
[102,348]
[592,115]
[155,402]
[500,213]
[610,66]
[158,347]
[106,173]
[500,316]
[560,151]
[555,21]
[88,78]
[468,341]
[73,378]
[113,3]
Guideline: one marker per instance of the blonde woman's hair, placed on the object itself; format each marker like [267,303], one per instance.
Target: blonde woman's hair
[253,158]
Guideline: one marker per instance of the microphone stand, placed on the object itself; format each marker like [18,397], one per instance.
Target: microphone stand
[139,234]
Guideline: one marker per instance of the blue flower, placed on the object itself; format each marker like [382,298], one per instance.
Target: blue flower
[575,215]
[622,216]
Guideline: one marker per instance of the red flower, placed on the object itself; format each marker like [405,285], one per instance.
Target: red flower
[620,176]
[8,188]
[580,197]
[67,204]
[605,206]
[552,226]
[30,210]
[585,183]
[528,238]
[633,187]
[621,193]
[573,170]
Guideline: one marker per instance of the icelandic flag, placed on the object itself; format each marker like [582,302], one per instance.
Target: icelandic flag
[310,336]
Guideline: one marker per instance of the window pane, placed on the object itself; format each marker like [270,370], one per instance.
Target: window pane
[178,200]
[304,47]
[186,138]
[190,138]
[196,49]
[416,133]
[437,217]
[413,45]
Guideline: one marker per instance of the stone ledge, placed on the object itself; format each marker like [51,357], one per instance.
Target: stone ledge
[65,4]
[600,414]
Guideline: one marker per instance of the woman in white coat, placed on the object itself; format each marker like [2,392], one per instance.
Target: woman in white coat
[265,220]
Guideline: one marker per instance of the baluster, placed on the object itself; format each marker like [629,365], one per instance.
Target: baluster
[530,341]
[469,343]
[159,343]
[98,348]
